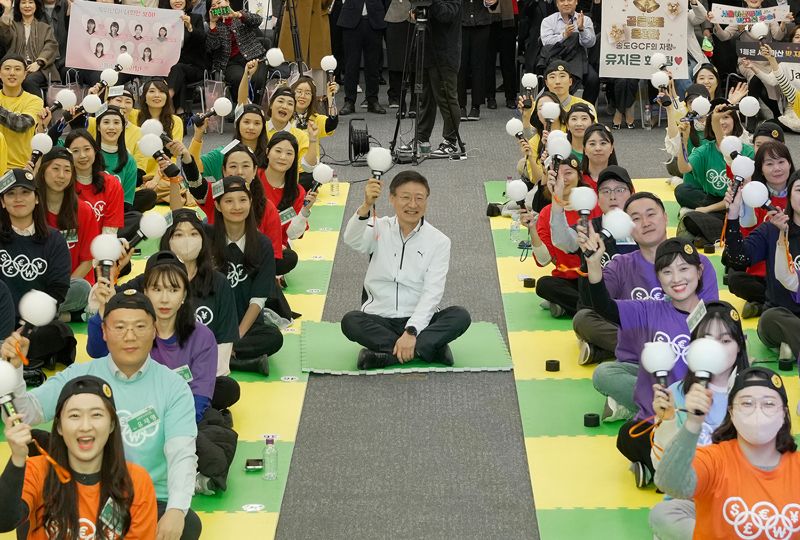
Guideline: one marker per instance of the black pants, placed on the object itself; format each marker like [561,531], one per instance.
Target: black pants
[398,52]
[779,325]
[192,526]
[704,224]
[262,338]
[591,84]
[502,40]
[179,76]
[337,44]
[234,72]
[558,290]
[35,83]
[440,88]
[287,264]
[358,41]
[756,88]
[226,393]
[381,333]
[623,93]
[597,331]
[145,199]
[635,448]
[474,43]
[694,197]
[50,344]
[747,286]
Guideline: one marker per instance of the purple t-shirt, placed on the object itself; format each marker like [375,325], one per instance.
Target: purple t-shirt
[199,354]
[642,321]
[630,276]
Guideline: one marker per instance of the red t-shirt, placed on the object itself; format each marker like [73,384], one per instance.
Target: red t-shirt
[735,499]
[108,205]
[79,241]
[589,181]
[144,515]
[560,258]
[760,268]
[275,195]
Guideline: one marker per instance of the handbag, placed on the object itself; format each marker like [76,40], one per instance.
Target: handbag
[70,83]
[213,90]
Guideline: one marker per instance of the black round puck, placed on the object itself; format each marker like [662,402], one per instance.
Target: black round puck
[709,249]
[552,365]
[591,420]
[529,283]
[786,364]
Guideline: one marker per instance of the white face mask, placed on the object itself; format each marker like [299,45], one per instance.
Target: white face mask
[757,429]
[699,125]
[187,248]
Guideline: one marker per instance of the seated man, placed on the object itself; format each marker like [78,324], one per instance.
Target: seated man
[154,405]
[19,111]
[409,259]
[570,35]
[558,80]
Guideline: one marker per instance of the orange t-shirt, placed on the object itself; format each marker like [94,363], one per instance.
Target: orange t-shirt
[144,514]
[736,500]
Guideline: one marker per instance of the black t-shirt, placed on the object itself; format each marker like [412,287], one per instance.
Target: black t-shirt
[27,264]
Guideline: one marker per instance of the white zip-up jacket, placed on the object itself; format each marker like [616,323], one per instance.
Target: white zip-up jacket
[405,278]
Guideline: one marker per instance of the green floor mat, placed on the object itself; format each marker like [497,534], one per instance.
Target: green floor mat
[324,349]
[326,218]
[594,524]
[284,363]
[523,312]
[309,277]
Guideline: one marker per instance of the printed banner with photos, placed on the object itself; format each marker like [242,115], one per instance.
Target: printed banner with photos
[99,32]
[635,29]
[723,14]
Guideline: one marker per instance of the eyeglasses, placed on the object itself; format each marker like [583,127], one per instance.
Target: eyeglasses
[406,199]
[138,330]
[302,92]
[747,406]
[615,191]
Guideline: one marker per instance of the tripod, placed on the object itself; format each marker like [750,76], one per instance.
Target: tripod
[288,6]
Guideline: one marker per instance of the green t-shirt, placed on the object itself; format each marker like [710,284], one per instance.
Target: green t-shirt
[127,176]
[212,163]
[153,406]
[709,170]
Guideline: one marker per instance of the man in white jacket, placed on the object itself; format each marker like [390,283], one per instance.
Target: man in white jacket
[409,258]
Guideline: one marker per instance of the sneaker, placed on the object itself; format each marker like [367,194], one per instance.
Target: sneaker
[446,150]
[364,104]
[464,116]
[474,114]
[368,359]
[394,103]
[446,356]
[641,474]
[752,310]
[491,103]
[425,148]
[586,354]
[557,311]
[674,181]
[358,89]
[204,485]
[544,304]
[613,411]
[785,352]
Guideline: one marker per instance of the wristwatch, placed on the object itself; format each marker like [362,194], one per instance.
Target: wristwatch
[411,331]
[40,62]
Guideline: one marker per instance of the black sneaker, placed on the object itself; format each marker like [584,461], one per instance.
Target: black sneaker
[347,108]
[491,103]
[474,114]
[368,359]
[394,103]
[445,356]
[464,117]
[446,150]
[641,474]
[364,104]
[752,310]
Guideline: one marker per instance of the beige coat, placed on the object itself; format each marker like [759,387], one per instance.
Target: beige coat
[41,45]
[315,31]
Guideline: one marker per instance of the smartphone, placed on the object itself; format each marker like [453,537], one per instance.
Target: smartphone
[253,465]
[219,12]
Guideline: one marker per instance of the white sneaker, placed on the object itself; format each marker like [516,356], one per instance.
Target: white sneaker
[358,89]
[613,411]
[785,352]
[203,484]
[674,181]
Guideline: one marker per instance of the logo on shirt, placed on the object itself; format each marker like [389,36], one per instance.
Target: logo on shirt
[762,521]
[678,343]
[134,431]
[204,315]
[86,529]
[21,266]
[98,208]
[236,274]
[797,263]
[640,293]
[717,179]
[606,258]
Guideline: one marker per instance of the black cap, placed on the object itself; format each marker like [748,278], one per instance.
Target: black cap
[58,152]
[572,161]
[85,384]
[581,107]
[130,299]
[282,91]
[185,214]
[770,129]
[758,376]
[161,258]
[677,245]
[109,109]
[557,65]
[719,101]
[17,178]
[615,172]
[229,184]
[697,90]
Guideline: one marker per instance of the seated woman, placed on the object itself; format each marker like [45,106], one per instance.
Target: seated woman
[193,62]
[704,186]
[118,159]
[752,464]
[683,137]
[530,167]
[679,270]
[245,256]
[560,289]
[55,181]
[155,102]
[783,78]
[674,518]
[707,75]
[24,30]
[306,105]
[24,234]
[106,494]
[250,129]
[599,153]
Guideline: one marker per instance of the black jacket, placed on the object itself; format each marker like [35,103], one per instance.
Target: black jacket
[350,16]
[193,51]
[475,14]
[248,37]
[59,20]
[443,40]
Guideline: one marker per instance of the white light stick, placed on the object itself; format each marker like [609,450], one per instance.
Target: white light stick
[275,57]
[756,195]
[701,106]
[106,249]
[558,149]
[529,82]
[124,61]
[748,106]
[583,199]
[65,99]
[706,357]
[222,107]
[550,111]
[109,77]
[41,143]
[658,61]
[91,104]
[730,146]
[759,30]
[151,127]
[660,79]
[152,145]
[742,168]
[322,175]
[379,161]
[8,383]
[516,190]
[328,64]
[618,224]
[151,225]
[514,128]
[658,359]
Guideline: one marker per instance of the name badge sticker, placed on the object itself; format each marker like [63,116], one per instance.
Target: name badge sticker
[287,215]
[184,372]
[144,418]
[696,316]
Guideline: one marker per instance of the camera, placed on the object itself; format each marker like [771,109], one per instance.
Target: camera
[420,9]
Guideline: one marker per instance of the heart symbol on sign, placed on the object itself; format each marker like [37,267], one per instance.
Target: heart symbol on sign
[678,60]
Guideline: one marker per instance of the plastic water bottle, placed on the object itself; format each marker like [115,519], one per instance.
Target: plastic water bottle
[647,119]
[270,460]
[335,186]
[514,230]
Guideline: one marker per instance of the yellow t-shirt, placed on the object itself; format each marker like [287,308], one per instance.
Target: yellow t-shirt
[132,136]
[150,166]
[573,100]
[18,143]
[3,155]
